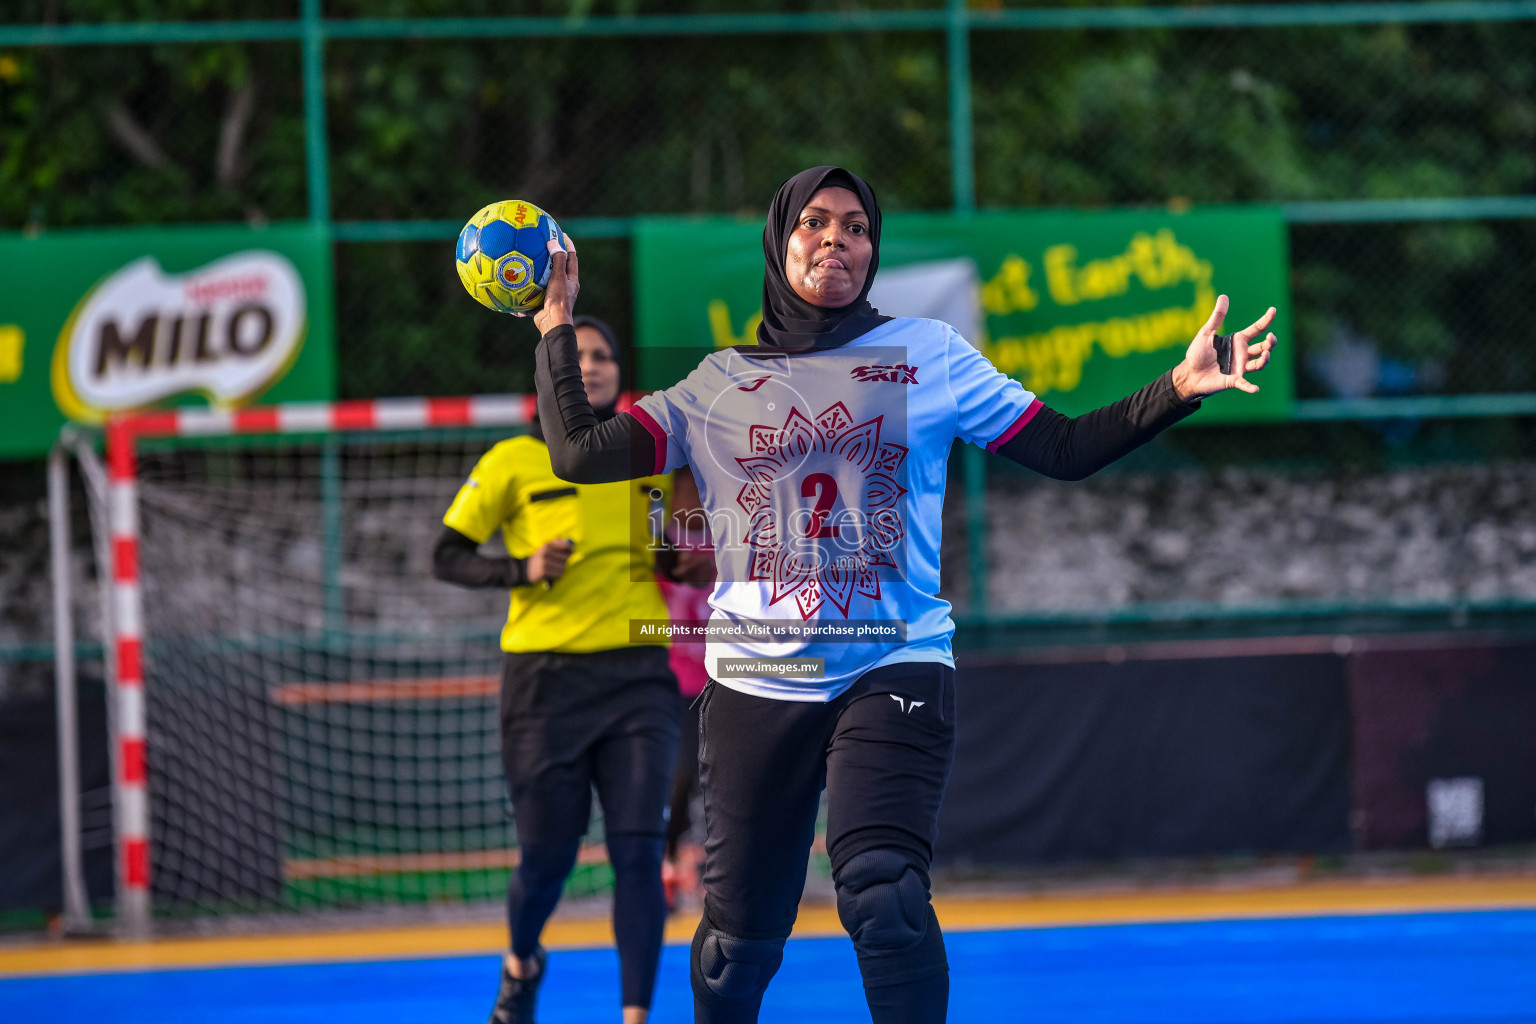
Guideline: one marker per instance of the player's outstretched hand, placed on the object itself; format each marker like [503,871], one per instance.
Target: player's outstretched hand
[1201,374]
[564,283]
[548,563]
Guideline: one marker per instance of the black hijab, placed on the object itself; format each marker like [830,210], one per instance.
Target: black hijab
[601,327]
[536,429]
[789,322]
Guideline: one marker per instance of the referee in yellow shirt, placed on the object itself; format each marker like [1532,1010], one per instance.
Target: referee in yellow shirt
[581,706]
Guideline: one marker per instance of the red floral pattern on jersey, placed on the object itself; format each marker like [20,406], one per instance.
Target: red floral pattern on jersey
[831,555]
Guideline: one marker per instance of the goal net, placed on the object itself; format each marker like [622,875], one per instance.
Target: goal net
[306,719]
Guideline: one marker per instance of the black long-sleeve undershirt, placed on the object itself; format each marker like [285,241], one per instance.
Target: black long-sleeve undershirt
[1073,447]
[584,450]
[457,559]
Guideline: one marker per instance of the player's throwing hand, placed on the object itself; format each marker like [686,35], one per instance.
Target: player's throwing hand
[1202,373]
[564,284]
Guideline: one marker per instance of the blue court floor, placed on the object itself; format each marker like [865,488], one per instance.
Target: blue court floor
[1421,967]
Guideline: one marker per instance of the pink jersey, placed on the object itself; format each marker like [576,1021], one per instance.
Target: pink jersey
[687,601]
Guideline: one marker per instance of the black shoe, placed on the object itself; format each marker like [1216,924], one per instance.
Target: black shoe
[515,1001]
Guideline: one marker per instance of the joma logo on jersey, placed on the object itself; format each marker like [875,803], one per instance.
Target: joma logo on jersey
[900,373]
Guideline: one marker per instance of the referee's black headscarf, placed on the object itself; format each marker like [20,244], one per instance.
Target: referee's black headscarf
[601,327]
[790,322]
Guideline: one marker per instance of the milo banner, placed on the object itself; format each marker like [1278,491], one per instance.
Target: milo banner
[93,323]
[1081,307]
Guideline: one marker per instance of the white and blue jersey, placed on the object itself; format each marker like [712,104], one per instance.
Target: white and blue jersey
[822,475]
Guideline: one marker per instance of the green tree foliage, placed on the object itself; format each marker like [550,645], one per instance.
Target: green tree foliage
[620,126]
[150,134]
[434,128]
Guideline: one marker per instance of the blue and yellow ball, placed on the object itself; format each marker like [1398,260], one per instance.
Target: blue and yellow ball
[503,256]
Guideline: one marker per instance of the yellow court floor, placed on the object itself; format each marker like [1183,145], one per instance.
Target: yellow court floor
[969,912]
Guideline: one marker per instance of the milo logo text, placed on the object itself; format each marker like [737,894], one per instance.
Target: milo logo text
[228,330]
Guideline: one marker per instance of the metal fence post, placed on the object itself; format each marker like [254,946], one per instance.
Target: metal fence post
[316,154]
[331,537]
[963,184]
[962,166]
[974,465]
[77,908]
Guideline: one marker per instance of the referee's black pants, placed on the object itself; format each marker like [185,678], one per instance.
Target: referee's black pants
[882,750]
[572,723]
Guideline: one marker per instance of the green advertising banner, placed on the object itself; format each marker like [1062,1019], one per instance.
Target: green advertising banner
[1081,307]
[93,323]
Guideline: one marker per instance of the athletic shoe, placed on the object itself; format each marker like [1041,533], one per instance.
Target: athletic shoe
[515,1001]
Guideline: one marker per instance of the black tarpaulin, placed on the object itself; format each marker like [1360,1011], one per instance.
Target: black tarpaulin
[1157,758]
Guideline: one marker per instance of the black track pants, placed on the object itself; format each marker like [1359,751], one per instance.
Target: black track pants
[882,750]
[572,723]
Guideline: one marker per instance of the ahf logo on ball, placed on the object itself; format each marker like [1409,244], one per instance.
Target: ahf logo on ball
[227,330]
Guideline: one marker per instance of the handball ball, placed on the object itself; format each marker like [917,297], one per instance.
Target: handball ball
[503,256]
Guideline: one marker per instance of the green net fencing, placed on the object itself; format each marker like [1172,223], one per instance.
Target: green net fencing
[1398,138]
[602,127]
[324,714]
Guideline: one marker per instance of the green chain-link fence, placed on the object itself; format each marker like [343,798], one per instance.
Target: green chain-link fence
[1400,139]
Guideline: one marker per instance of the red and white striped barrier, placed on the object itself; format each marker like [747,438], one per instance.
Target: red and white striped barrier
[131,794]
[329,417]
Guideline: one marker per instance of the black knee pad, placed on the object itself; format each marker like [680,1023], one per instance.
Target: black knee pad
[734,968]
[882,900]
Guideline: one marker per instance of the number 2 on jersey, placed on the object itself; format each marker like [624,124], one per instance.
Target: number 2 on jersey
[825,488]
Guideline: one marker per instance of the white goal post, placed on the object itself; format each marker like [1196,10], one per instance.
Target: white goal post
[286,646]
